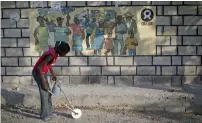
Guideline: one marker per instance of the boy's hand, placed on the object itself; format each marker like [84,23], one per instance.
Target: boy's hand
[54,78]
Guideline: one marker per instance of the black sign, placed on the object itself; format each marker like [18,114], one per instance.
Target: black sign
[147,15]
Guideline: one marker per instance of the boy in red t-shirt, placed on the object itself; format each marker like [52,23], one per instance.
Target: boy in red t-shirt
[42,66]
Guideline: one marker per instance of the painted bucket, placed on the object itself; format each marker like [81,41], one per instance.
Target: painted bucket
[56,90]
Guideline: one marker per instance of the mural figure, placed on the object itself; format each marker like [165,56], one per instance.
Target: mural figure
[61,32]
[109,26]
[77,37]
[130,22]
[41,36]
[121,29]
[131,43]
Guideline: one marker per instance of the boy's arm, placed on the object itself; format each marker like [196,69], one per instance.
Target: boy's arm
[44,63]
[53,74]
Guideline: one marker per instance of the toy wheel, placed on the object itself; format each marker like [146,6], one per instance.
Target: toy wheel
[77,113]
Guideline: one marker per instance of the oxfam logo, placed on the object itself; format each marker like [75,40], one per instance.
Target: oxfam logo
[147,15]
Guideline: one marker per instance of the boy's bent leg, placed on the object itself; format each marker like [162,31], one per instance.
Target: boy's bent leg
[44,95]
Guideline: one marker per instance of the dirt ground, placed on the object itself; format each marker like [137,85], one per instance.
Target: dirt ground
[30,115]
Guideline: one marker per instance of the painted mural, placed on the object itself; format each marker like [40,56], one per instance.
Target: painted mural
[99,31]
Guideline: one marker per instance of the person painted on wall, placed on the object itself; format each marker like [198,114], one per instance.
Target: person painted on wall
[41,36]
[77,37]
[91,24]
[108,35]
[130,22]
[61,32]
[120,30]
[97,39]
[131,44]
[51,28]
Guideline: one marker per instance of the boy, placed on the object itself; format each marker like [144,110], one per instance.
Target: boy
[131,43]
[42,66]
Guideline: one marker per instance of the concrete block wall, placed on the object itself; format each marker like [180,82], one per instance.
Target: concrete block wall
[178,59]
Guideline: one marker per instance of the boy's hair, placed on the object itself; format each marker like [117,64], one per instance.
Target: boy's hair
[63,46]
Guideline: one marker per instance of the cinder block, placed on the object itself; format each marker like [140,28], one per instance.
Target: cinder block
[12,80]
[102,80]
[142,60]
[191,60]
[24,61]
[111,80]
[141,2]
[14,52]
[6,12]
[170,10]
[187,10]
[199,10]
[200,30]
[111,71]
[186,70]
[34,4]
[187,30]
[176,60]
[163,60]
[8,4]
[176,40]
[158,70]
[30,52]
[12,33]
[34,60]
[128,70]
[65,80]
[145,70]
[62,61]
[25,32]
[168,70]
[23,42]
[199,50]
[57,70]
[192,2]
[23,23]
[122,81]
[158,50]
[176,81]
[2,52]
[70,71]
[161,81]
[192,40]
[24,13]
[177,20]
[9,61]
[8,42]
[199,70]
[110,60]
[143,80]
[170,30]
[2,33]
[78,60]
[76,3]
[159,30]
[163,40]
[123,60]
[160,2]
[169,50]
[63,3]
[14,71]
[3,71]
[95,3]
[195,80]
[97,60]
[6,23]
[22,4]
[25,80]
[90,70]
[192,20]
[186,50]
[159,10]
[177,2]
[77,80]
[163,20]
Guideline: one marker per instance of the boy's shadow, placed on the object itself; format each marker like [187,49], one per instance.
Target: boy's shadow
[64,114]
[23,113]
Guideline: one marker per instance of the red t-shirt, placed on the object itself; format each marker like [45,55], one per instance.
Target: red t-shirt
[46,68]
